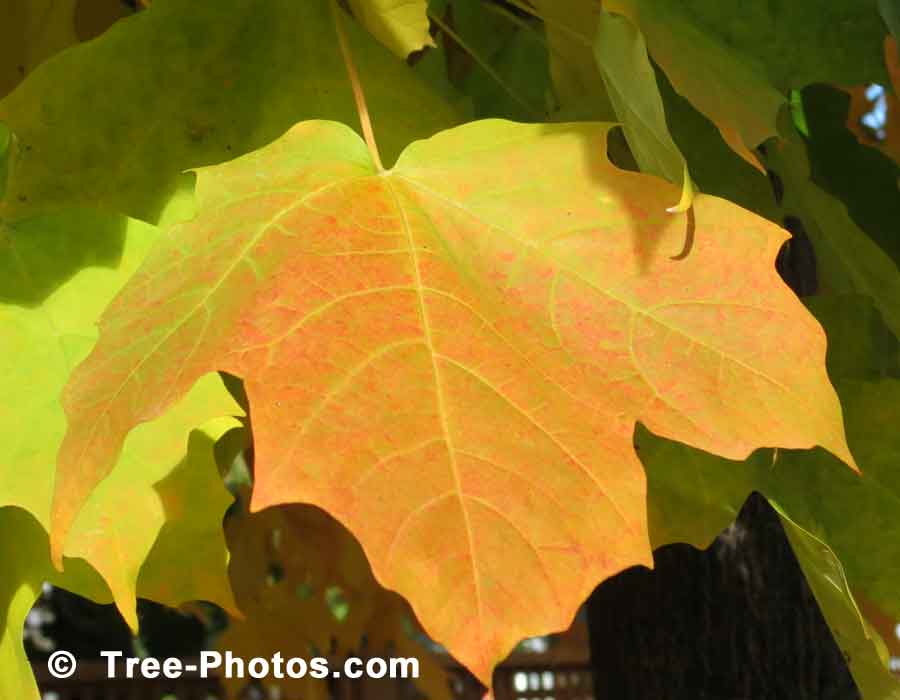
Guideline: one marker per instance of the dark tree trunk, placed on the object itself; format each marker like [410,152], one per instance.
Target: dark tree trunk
[734,622]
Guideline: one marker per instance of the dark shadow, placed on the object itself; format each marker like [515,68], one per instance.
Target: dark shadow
[40,254]
[640,198]
[688,236]
[735,621]
[862,177]
[796,260]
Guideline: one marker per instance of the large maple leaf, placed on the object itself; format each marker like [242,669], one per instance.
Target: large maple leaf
[450,356]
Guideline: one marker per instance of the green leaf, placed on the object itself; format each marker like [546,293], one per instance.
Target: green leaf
[872,354]
[497,58]
[890,13]
[847,260]
[57,274]
[235,75]
[24,552]
[571,27]
[797,42]
[715,168]
[631,84]
[401,25]
[163,481]
[863,178]
[731,89]
[189,559]
[863,649]
[736,62]
[30,33]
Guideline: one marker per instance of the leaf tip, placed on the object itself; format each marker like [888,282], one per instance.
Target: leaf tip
[129,614]
[58,531]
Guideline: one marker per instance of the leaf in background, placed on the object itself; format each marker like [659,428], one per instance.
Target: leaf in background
[631,85]
[419,348]
[715,168]
[35,30]
[890,13]
[735,63]
[236,75]
[860,105]
[873,354]
[796,42]
[125,514]
[286,564]
[847,260]
[189,559]
[5,140]
[26,566]
[571,28]
[30,33]
[498,58]
[863,649]
[884,624]
[862,178]
[731,89]
[57,274]
[401,25]
[93,17]
[693,495]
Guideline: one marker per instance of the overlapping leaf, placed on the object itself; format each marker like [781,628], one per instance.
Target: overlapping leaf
[497,58]
[731,89]
[631,84]
[571,27]
[863,179]
[125,515]
[450,356]
[847,260]
[693,495]
[33,31]
[889,142]
[735,63]
[863,648]
[26,566]
[58,273]
[289,566]
[234,75]
[401,25]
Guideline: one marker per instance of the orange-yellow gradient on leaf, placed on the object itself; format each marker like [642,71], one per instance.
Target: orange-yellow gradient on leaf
[450,356]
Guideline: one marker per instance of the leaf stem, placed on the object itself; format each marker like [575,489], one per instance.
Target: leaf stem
[358,94]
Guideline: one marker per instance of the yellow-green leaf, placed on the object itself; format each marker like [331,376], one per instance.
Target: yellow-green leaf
[401,25]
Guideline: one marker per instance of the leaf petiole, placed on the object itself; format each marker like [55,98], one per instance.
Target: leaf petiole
[358,93]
